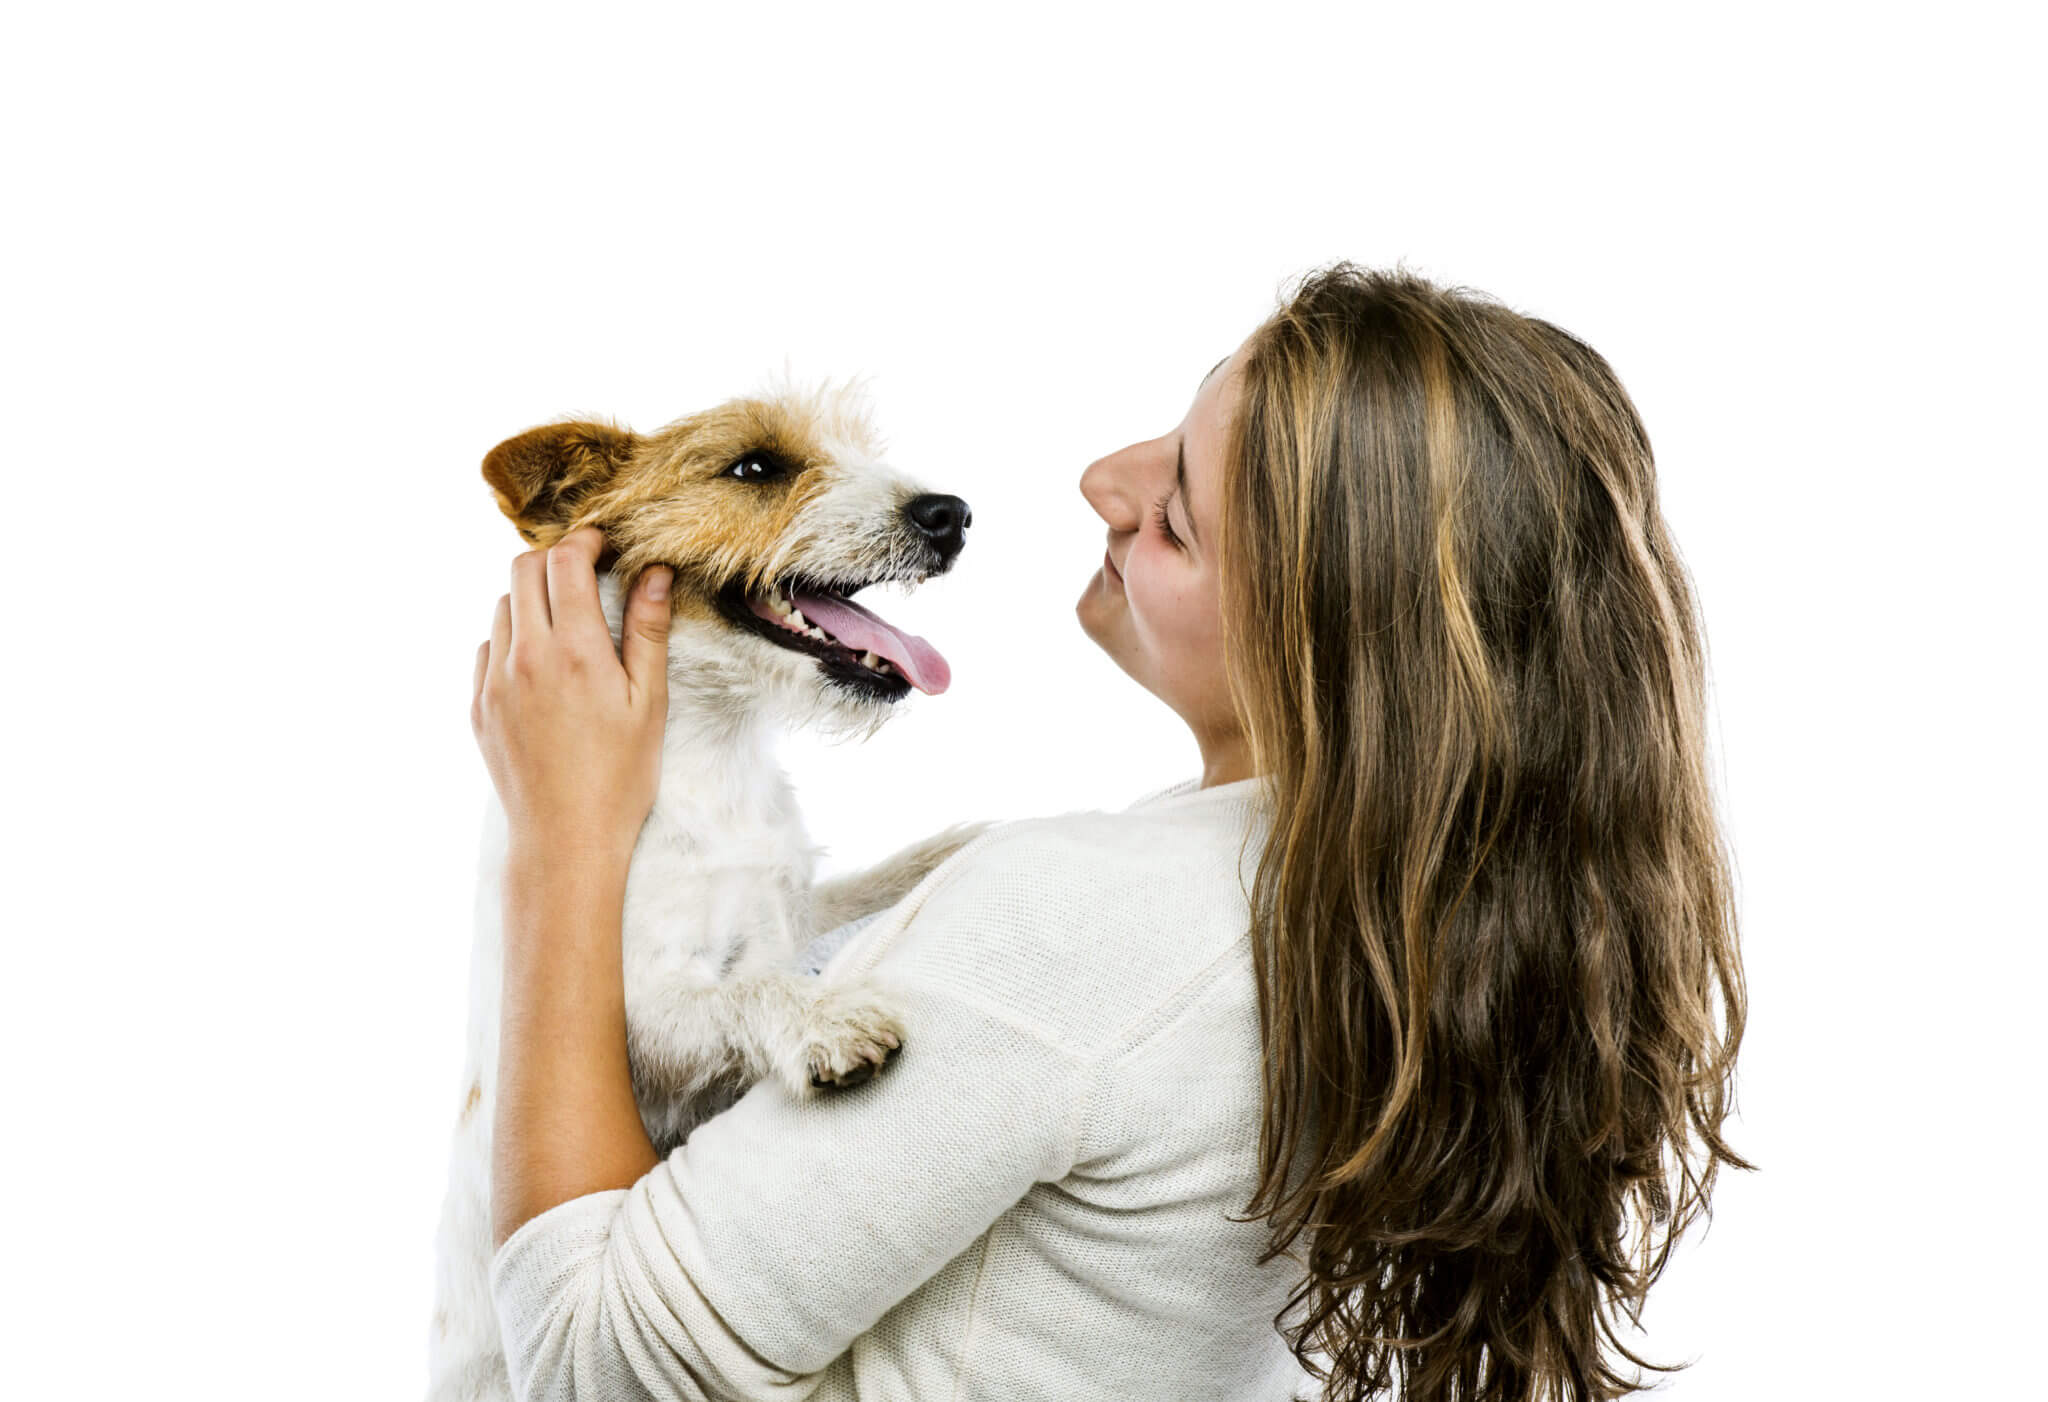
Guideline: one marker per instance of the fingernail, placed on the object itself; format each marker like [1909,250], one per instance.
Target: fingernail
[657,582]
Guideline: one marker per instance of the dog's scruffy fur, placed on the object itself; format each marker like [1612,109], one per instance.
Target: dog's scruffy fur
[762,497]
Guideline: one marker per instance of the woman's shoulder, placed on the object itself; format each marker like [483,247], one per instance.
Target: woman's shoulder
[1081,923]
[1110,855]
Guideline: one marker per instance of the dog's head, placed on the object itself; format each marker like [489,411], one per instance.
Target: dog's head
[773,510]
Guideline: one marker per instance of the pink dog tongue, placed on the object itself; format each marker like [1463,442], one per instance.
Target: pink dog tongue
[863,631]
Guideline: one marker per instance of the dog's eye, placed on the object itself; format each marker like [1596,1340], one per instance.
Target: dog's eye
[757,467]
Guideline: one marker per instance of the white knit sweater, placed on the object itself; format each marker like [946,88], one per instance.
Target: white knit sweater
[1027,1203]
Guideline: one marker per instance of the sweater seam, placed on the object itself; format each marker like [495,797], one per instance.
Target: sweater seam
[1082,1066]
[974,1307]
[1009,1017]
[1118,1048]
[872,949]
[1108,1048]
[1117,1045]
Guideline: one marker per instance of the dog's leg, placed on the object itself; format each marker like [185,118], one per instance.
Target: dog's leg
[688,1042]
[465,1355]
[466,1360]
[888,881]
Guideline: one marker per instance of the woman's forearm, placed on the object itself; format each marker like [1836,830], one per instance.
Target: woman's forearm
[570,726]
[566,1122]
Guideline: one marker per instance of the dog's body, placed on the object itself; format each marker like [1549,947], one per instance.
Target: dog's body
[720,900]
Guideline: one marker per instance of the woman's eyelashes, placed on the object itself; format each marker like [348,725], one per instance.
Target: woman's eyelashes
[1159,515]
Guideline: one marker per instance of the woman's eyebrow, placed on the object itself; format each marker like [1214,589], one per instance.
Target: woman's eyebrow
[1180,464]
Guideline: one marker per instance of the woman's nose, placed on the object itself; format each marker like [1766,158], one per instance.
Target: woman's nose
[1102,483]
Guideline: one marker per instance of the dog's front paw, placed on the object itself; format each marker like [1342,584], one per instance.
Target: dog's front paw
[848,1035]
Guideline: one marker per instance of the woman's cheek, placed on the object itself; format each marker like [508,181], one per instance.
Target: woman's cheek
[1160,600]
[1139,584]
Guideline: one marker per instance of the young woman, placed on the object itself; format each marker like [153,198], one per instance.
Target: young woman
[1393,1047]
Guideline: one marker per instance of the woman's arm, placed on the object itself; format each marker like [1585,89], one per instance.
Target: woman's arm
[566,1122]
[571,733]
[743,1265]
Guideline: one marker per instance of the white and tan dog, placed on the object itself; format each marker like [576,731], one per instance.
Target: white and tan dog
[773,510]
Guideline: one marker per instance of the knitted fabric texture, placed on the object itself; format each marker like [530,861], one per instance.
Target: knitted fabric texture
[820,950]
[1029,1202]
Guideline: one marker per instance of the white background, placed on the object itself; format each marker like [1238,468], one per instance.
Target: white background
[279,277]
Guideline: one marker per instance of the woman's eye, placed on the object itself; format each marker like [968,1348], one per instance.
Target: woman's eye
[1159,515]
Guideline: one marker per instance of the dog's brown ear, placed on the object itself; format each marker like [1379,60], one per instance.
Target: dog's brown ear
[543,476]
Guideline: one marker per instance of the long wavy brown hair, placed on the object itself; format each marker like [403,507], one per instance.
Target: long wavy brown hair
[1499,984]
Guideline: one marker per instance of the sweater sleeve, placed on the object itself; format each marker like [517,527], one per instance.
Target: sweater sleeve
[746,1262]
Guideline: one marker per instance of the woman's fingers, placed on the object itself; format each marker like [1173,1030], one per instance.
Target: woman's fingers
[572,740]
[573,605]
[501,629]
[644,648]
[476,685]
[530,611]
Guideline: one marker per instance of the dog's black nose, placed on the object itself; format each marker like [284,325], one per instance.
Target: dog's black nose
[942,518]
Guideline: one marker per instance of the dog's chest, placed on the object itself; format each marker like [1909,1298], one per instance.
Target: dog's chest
[710,890]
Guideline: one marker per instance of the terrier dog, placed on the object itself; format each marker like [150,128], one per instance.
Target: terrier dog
[773,510]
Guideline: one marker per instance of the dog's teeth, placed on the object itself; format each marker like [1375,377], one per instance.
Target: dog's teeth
[868,659]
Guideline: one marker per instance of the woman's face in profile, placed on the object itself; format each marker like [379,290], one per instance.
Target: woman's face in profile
[1154,604]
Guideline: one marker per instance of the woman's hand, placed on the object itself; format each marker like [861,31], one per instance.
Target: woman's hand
[571,733]
[572,736]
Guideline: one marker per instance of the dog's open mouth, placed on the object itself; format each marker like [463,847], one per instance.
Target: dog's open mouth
[854,645]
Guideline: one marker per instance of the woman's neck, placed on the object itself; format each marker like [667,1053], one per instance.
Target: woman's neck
[1225,760]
